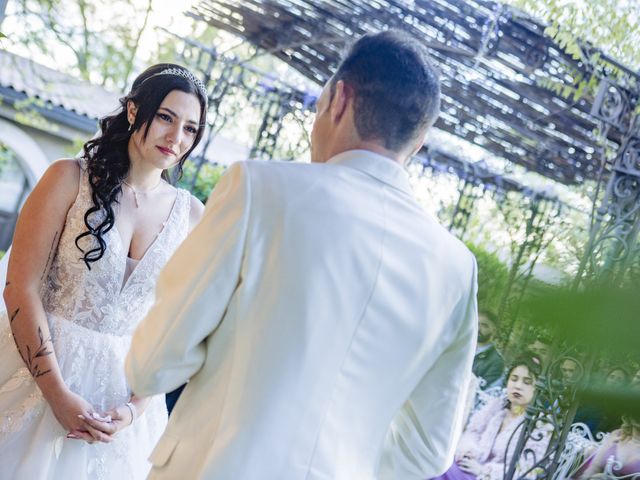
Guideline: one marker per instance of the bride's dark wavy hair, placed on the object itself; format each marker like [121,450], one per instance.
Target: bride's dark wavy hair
[107,157]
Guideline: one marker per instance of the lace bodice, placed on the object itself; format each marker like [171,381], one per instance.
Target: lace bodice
[101,299]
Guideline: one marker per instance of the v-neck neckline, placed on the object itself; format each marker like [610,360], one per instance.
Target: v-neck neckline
[151,245]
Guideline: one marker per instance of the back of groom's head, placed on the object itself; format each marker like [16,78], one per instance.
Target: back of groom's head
[396,88]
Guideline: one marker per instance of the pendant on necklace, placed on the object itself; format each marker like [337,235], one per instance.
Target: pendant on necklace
[135,193]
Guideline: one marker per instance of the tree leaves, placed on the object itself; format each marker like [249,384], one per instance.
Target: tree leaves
[609,25]
[100,39]
[576,28]
[207,177]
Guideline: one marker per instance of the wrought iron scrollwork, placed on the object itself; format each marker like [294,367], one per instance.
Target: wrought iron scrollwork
[548,418]
[614,465]
[469,192]
[614,105]
[275,108]
[541,212]
[612,250]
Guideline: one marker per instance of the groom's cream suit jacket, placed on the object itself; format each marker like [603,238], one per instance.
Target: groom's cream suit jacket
[326,326]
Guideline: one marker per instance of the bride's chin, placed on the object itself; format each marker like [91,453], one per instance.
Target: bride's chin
[164,164]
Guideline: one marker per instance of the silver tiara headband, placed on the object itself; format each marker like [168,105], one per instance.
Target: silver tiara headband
[184,74]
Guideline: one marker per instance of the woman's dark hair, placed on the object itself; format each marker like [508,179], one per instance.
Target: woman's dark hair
[530,362]
[527,360]
[629,427]
[625,373]
[107,158]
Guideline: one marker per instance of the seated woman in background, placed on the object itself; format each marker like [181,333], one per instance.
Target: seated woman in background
[481,450]
[594,417]
[622,446]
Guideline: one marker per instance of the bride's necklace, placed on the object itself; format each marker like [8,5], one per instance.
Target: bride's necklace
[135,192]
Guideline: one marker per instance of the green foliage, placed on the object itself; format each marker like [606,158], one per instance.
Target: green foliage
[101,38]
[76,147]
[206,180]
[7,159]
[28,113]
[493,275]
[602,319]
[576,27]
[610,25]
[602,324]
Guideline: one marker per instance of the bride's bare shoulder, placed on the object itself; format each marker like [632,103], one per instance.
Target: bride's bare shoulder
[66,169]
[60,180]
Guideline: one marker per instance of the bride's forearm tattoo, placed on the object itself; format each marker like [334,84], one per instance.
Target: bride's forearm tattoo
[30,357]
[52,251]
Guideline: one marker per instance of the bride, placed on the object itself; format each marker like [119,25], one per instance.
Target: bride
[88,246]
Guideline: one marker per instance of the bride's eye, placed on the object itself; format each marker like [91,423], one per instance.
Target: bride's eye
[164,116]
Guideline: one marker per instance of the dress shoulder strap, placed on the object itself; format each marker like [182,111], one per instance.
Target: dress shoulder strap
[82,162]
[179,226]
[84,189]
[185,197]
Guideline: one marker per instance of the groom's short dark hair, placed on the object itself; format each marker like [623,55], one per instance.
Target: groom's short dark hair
[396,87]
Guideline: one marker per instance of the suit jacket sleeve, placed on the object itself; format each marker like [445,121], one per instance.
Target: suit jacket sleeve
[494,369]
[193,292]
[421,440]
[489,366]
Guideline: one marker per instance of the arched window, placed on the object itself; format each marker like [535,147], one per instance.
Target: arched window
[14,188]
[22,163]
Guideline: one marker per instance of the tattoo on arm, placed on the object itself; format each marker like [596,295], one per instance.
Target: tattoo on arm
[52,251]
[7,283]
[30,358]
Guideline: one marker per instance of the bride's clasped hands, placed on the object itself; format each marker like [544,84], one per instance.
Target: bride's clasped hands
[103,427]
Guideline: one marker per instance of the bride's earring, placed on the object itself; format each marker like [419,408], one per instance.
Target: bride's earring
[130,127]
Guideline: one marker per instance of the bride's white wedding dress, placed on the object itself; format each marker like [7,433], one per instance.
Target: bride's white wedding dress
[91,314]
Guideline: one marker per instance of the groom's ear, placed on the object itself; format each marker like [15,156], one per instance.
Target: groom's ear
[342,95]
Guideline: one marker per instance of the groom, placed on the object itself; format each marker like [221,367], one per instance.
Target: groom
[326,325]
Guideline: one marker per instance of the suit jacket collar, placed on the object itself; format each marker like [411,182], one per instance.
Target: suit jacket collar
[378,166]
[484,348]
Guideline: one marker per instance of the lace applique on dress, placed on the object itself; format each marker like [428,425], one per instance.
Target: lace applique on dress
[31,406]
[97,299]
